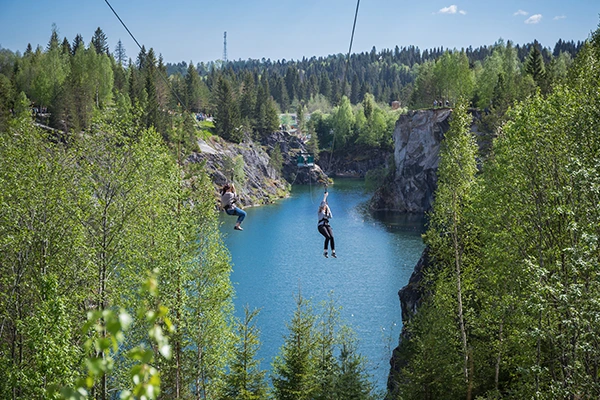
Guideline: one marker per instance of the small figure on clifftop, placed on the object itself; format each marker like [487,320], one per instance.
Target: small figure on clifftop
[228,199]
[323,226]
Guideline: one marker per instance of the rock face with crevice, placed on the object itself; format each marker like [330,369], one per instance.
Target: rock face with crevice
[417,139]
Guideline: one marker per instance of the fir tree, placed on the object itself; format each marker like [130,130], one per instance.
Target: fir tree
[246,381]
[294,369]
[120,54]
[227,121]
[77,43]
[100,42]
[534,65]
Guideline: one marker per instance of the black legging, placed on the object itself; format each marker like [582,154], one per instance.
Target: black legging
[326,231]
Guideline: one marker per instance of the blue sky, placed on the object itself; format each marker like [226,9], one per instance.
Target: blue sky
[188,30]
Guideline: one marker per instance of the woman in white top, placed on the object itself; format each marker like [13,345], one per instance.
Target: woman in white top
[228,198]
[324,227]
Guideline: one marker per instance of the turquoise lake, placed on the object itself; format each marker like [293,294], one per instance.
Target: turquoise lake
[280,252]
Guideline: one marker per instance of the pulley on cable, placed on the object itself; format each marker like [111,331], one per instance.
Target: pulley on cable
[306,160]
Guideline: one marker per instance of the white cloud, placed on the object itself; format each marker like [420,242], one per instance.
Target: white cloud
[449,10]
[559,17]
[521,12]
[534,19]
[453,9]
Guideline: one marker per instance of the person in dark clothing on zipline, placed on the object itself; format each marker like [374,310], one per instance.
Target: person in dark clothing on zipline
[324,227]
[228,198]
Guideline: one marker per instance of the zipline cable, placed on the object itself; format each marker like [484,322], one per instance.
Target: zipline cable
[159,72]
[345,74]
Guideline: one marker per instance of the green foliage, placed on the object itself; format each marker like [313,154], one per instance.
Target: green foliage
[227,122]
[535,66]
[294,370]
[526,233]
[246,381]
[106,337]
[81,225]
[41,263]
[307,366]
[342,122]
[276,159]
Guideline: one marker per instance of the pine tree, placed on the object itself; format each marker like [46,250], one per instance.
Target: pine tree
[66,47]
[100,42]
[53,42]
[294,369]
[248,100]
[355,91]
[351,378]
[534,65]
[151,75]
[120,53]
[227,122]
[77,43]
[246,381]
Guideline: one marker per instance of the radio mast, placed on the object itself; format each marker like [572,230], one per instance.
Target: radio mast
[225,47]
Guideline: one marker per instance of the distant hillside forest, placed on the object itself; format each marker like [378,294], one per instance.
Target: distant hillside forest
[71,79]
[389,75]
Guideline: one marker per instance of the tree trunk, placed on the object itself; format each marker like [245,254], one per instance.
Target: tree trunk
[499,357]
[461,321]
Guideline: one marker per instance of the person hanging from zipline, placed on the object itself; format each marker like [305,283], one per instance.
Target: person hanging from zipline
[324,215]
[228,200]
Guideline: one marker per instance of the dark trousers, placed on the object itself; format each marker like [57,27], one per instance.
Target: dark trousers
[326,231]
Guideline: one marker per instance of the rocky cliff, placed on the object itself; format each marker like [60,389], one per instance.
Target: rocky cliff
[290,146]
[410,188]
[249,166]
[411,297]
[417,139]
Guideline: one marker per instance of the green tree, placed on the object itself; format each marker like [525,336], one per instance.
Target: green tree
[43,272]
[294,370]
[450,234]
[534,65]
[248,99]
[342,123]
[77,43]
[196,90]
[120,54]
[227,121]
[100,42]
[351,378]
[246,380]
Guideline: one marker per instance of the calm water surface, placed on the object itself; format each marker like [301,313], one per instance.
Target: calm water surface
[280,252]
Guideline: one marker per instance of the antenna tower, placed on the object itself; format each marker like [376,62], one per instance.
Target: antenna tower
[225,47]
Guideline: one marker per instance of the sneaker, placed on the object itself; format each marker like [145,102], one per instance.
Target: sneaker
[238,228]
[325,254]
[333,254]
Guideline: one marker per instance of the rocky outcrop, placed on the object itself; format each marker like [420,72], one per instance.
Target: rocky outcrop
[290,146]
[411,297]
[417,138]
[249,166]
